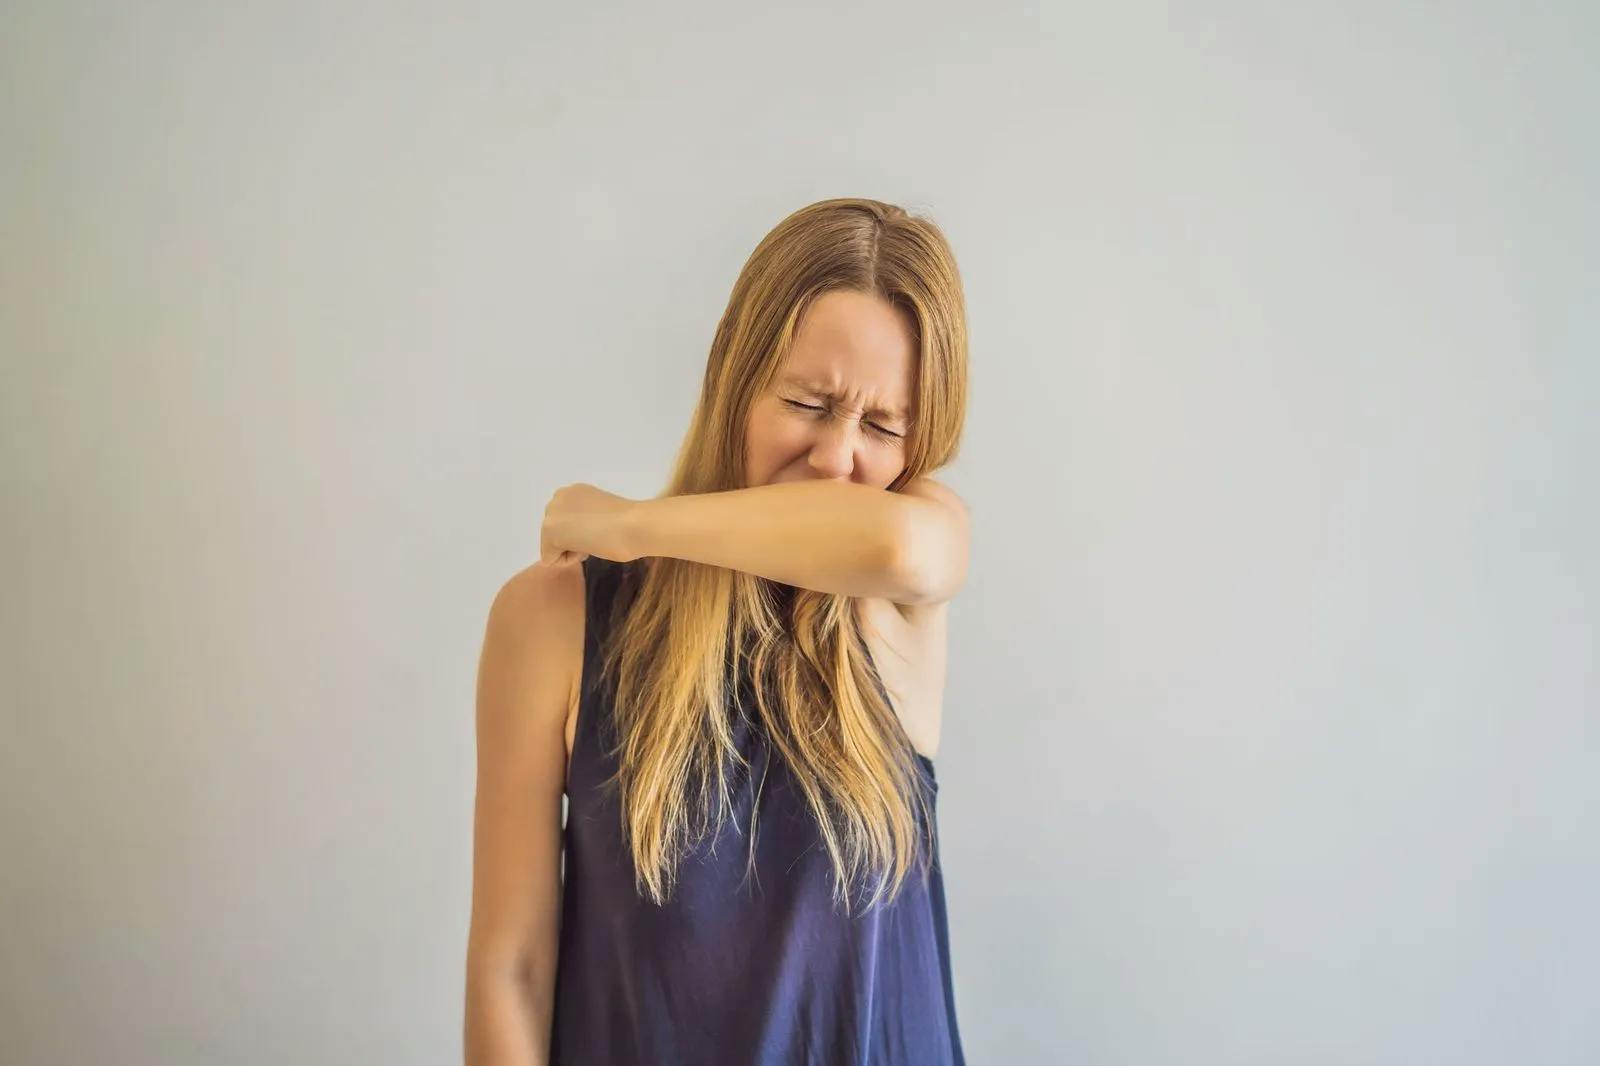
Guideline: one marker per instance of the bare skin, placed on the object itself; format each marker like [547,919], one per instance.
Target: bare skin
[525,687]
[832,414]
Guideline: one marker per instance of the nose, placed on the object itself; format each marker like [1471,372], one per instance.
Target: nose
[833,451]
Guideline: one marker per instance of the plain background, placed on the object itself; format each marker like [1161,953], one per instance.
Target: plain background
[1270,733]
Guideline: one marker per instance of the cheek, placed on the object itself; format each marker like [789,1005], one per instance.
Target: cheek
[766,441]
[882,469]
[771,433]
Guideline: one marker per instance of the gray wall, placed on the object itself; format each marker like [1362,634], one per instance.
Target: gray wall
[1271,728]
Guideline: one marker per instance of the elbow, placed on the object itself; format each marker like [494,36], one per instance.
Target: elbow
[903,568]
[918,585]
[928,554]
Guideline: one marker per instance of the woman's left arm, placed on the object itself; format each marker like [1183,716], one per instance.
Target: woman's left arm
[909,547]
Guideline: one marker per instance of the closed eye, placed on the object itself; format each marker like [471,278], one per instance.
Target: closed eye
[873,425]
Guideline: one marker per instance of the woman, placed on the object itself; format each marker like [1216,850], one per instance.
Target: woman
[750,852]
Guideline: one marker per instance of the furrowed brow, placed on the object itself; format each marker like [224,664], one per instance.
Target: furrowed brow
[815,389]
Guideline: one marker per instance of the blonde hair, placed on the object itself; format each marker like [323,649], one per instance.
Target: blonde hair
[674,653]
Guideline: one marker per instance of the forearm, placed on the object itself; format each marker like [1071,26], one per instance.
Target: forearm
[511,995]
[828,536]
[506,1023]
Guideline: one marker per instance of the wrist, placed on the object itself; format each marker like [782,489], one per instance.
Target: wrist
[634,529]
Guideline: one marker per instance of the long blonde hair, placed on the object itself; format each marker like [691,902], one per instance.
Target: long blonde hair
[674,653]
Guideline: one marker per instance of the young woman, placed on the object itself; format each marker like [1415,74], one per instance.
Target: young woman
[750,850]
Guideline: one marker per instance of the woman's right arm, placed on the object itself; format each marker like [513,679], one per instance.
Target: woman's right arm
[533,639]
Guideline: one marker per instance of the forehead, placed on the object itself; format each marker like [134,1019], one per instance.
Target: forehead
[855,347]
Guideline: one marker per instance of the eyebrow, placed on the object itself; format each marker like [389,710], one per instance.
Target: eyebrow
[812,387]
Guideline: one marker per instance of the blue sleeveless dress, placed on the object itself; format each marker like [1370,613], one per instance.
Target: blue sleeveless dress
[738,968]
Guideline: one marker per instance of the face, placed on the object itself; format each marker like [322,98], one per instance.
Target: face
[838,407]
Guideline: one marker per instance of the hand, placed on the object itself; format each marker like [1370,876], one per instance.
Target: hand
[581,520]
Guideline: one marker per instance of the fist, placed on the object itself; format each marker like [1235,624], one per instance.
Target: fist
[582,520]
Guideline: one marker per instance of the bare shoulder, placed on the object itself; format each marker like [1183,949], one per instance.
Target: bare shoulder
[537,592]
[535,632]
[541,602]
